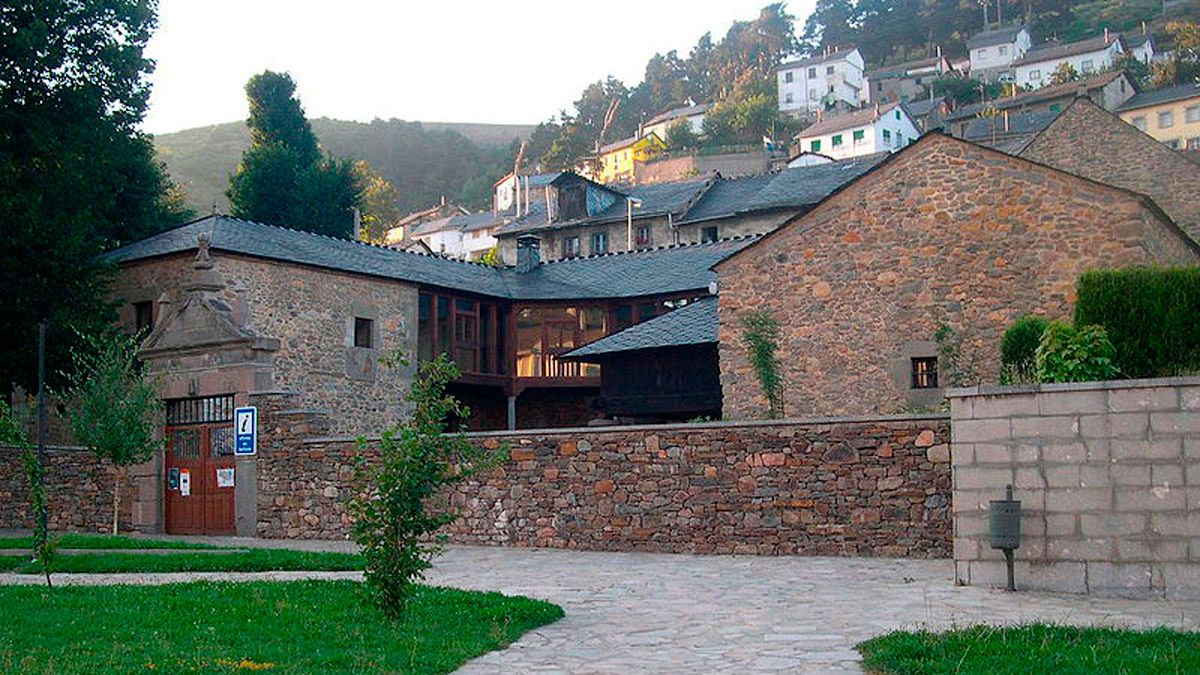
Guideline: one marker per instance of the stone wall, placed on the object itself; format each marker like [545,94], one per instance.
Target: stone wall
[1092,142]
[944,233]
[1108,475]
[871,487]
[729,165]
[310,312]
[78,487]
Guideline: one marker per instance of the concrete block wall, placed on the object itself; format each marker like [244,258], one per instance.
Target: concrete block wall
[1108,474]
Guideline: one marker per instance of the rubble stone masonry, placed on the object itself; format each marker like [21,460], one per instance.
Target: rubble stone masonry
[944,233]
[79,489]
[868,487]
[1108,474]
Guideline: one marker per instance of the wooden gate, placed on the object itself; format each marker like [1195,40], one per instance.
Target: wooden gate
[200,466]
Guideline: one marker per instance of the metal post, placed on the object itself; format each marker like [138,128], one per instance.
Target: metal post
[512,413]
[1008,552]
[43,515]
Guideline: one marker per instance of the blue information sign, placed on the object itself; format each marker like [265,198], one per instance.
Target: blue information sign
[245,431]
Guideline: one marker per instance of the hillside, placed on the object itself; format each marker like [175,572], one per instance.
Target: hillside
[424,160]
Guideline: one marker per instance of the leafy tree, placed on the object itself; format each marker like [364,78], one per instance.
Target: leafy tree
[745,121]
[76,175]
[1137,71]
[115,410]
[380,203]
[681,137]
[1184,64]
[1068,353]
[394,520]
[1018,348]
[1065,72]
[283,178]
[832,23]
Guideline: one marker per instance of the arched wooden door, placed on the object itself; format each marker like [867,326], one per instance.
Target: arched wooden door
[200,466]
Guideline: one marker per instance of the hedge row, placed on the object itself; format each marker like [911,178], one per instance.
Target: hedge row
[1152,315]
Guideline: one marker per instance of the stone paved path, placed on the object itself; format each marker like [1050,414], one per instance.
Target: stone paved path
[631,613]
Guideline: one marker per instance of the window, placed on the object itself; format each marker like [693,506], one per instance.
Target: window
[1002,50]
[981,53]
[787,77]
[570,247]
[1192,114]
[708,234]
[599,243]
[899,140]
[143,317]
[364,332]
[1172,143]
[1166,119]
[829,70]
[1055,107]
[1139,123]
[1088,66]
[897,113]
[837,140]
[814,146]
[812,95]
[860,136]
[924,372]
[812,73]
[643,236]
[787,98]
[887,138]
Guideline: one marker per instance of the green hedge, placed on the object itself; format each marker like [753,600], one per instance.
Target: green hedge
[1151,314]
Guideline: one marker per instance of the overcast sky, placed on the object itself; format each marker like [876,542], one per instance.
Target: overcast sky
[435,60]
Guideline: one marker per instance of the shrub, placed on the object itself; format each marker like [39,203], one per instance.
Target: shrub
[1018,347]
[760,335]
[395,519]
[1152,316]
[1070,354]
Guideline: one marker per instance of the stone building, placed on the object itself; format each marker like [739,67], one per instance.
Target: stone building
[944,233]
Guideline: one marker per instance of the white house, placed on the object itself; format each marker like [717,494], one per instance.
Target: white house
[879,128]
[1141,45]
[1087,57]
[532,188]
[994,50]
[662,122]
[821,82]
[465,236]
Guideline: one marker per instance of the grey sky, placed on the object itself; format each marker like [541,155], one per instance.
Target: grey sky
[434,60]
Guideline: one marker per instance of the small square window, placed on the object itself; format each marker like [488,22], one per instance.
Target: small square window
[837,140]
[814,146]
[787,98]
[787,77]
[643,236]
[143,317]
[812,72]
[897,113]
[1088,66]
[1035,75]
[860,135]
[1166,120]
[924,372]
[599,243]
[570,247]
[1139,123]
[708,234]
[1002,50]
[1192,114]
[364,330]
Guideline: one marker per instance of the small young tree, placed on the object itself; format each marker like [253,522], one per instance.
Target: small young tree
[115,410]
[760,335]
[395,512]
[12,434]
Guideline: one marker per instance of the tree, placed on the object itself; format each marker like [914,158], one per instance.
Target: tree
[77,177]
[681,137]
[283,178]
[1184,64]
[115,410]
[1065,72]
[380,203]
[394,520]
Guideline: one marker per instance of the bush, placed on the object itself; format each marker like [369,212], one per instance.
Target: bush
[1018,347]
[1152,316]
[1070,354]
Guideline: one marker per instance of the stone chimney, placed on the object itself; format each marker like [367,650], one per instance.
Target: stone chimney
[529,253]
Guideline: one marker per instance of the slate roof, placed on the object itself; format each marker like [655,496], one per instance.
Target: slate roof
[851,120]
[657,199]
[617,145]
[995,36]
[924,106]
[1159,96]
[670,269]
[1020,123]
[814,60]
[692,324]
[902,69]
[1039,95]
[789,189]
[1052,51]
[676,113]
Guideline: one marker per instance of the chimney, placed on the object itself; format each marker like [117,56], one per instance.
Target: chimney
[1106,36]
[529,253]
[1006,120]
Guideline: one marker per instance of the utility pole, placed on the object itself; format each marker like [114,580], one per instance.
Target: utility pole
[43,515]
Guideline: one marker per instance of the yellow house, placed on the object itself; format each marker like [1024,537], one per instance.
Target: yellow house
[617,159]
[1170,115]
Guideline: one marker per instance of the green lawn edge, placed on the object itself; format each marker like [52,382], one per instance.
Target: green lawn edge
[82,541]
[1033,648]
[298,626]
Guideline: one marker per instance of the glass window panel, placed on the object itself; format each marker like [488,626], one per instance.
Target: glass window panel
[185,443]
[622,317]
[220,440]
[444,330]
[424,328]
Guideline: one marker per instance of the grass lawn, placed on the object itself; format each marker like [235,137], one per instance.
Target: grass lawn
[249,560]
[302,626]
[1036,648]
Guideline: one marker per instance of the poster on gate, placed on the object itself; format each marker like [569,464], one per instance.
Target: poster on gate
[225,478]
[185,482]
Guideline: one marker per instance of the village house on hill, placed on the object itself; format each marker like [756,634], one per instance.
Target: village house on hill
[834,79]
